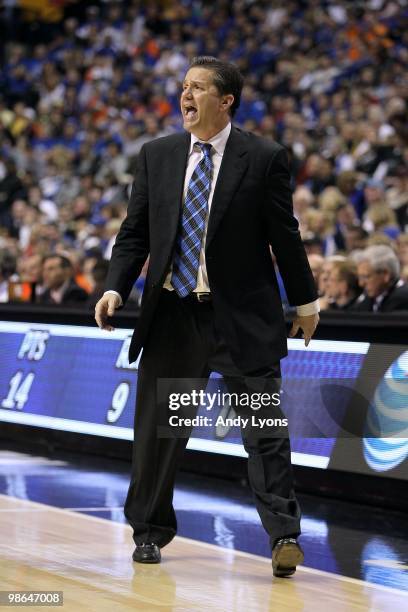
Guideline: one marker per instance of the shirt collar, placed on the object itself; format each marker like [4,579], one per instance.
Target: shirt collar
[58,294]
[382,295]
[218,141]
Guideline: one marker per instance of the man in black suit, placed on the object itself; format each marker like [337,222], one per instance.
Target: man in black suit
[378,273]
[206,204]
[61,288]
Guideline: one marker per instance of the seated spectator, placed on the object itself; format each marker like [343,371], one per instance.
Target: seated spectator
[323,286]
[319,173]
[30,271]
[316,262]
[320,223]
[378,271]
[355,237]
[383,220]
[7,271]
[345,220]
[378,238]
[11,187]
[303,200]
[60,287]
[397,194]
[99,273]
[374,196]
[313,244]
[402,249]
[347,182]
[343,287]
[92,257]
[331,199]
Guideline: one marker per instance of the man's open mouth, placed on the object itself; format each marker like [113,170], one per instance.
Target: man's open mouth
[190,112]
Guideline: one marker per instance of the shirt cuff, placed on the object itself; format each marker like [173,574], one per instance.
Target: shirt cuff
[306,310]
[116,293]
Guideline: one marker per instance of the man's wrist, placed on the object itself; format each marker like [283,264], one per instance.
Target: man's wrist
[305,310]
[115,293]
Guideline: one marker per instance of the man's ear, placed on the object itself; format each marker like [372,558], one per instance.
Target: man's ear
[228,101]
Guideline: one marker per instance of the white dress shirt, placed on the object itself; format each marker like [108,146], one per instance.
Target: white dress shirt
[218,143]
[58,294]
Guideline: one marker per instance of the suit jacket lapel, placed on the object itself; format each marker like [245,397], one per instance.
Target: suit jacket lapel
[233,166]
[173,178]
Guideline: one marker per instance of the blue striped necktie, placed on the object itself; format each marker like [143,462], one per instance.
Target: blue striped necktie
[188,245]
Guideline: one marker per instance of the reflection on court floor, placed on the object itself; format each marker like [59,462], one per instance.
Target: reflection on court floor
[53,525]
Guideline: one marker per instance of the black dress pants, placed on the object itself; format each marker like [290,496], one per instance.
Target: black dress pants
[183,343]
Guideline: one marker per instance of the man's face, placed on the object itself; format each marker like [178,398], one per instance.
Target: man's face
[203,108]
[32,269]
[336,286]
[373,282]
[354,239]
[324,277]
[54,275]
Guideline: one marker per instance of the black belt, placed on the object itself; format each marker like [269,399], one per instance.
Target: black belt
[199,297]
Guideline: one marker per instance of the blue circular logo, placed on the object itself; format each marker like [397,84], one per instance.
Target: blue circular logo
[386,429]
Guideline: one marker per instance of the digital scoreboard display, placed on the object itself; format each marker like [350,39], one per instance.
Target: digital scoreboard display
[78,379]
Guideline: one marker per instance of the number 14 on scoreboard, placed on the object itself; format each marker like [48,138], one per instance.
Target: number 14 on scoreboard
[19,390]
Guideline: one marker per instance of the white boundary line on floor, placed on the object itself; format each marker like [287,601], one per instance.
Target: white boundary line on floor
[302,568]
[99,509]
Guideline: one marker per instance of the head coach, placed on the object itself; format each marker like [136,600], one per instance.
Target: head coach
[206,205]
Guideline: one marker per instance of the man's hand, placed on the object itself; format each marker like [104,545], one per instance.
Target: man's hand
[106,308]
[306,324]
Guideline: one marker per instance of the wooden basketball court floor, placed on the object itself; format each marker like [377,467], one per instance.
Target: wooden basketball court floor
[43,548]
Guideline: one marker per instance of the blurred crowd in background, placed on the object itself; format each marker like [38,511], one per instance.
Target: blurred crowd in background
[83,85]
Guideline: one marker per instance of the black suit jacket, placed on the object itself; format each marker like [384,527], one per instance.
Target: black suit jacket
[251,208]
[73,294]
[396,299]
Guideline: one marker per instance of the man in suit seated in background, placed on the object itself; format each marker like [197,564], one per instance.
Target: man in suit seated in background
[378,272]
[58,279]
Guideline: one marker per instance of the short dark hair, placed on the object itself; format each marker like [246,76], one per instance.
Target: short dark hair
[226,77]
[100,270]
[64,261]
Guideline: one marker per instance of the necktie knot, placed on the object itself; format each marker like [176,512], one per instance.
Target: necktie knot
[205,148]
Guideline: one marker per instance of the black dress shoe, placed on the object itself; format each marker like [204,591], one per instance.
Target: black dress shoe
[286,555]
[148,552]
